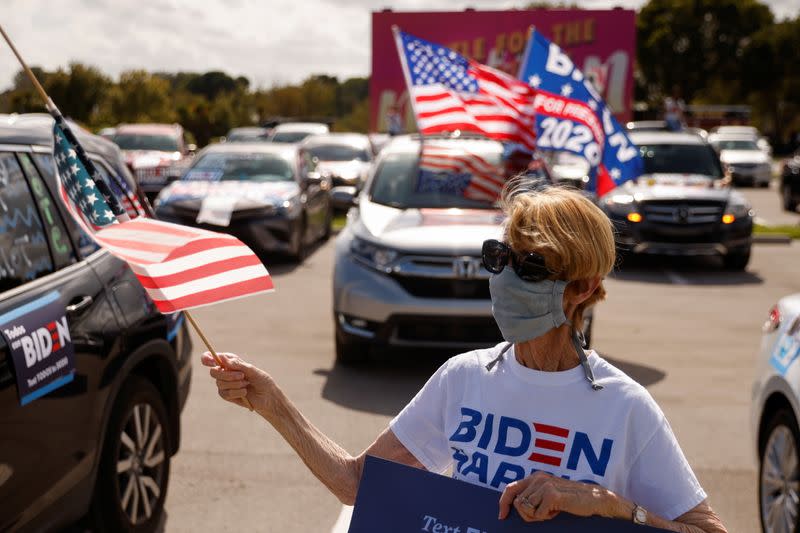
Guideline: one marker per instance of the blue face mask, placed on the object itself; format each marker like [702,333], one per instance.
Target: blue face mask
[525,310]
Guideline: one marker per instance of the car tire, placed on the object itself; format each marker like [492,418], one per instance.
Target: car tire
[135,462]
[736,261]
[789,203]
[779,467]
[297,242]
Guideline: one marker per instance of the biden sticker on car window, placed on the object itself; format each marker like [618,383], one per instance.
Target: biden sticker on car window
[38,339]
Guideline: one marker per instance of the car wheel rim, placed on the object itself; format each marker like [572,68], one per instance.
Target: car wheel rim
[780,482]
[140,464]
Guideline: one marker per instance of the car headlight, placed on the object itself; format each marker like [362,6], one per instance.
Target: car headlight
[736,211]
[620,204]
[373,255]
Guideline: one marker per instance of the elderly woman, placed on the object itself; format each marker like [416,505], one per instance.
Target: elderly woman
[552,427]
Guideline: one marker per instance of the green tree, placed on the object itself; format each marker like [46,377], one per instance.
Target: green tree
[689,45]
[139,97]
[79,91]
[211,84]
[770,74]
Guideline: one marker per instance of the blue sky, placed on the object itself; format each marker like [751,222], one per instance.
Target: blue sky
[268,41]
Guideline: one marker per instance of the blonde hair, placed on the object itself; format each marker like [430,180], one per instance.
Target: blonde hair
[573,235]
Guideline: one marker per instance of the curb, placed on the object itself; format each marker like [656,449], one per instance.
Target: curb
[772,238]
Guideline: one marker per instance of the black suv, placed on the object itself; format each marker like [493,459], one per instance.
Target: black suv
[790,183]
[92,377]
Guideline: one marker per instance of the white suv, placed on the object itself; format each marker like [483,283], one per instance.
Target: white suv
[775,412]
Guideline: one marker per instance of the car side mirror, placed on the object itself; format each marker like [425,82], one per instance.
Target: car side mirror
[313,177]
[344,197]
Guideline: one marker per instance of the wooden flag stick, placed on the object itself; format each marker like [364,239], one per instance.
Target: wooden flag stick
[47,102]
[51,107]
[211,349]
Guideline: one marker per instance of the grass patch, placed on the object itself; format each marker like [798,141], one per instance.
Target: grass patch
[791,231]
[339,220]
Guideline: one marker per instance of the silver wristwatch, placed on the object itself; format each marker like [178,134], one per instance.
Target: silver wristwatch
[639,515]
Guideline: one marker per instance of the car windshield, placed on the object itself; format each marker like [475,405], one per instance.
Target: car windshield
[736,145]
[240,167]
[338,152]
[290,136]
[444,183]
[159,143]
[680,159]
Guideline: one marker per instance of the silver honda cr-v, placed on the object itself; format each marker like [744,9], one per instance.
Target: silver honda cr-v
[408,271]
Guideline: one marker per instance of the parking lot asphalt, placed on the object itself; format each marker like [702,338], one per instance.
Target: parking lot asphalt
[687,330]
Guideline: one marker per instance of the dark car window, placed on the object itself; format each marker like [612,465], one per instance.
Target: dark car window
[46,165]
[289,136]
[160,143]
[680,159]
[401,182]
[338,152]
[24,255]
[737,145]
[246,136]
[57,236]
[240,167]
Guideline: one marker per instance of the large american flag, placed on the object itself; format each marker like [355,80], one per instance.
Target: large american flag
[457,170]
[450,92]
[179,267]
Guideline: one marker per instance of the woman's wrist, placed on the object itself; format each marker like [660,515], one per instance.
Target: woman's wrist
[615,506]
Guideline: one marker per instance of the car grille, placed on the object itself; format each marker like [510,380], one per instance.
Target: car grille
[460,330]
[439,288]
[683,212]
[457,277]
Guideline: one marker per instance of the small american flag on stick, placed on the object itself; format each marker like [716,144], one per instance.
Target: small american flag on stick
[179,267]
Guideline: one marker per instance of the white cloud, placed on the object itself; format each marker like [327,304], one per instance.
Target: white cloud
[273,41]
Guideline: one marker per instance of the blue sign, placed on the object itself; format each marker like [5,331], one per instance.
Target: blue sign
[40,345]
[395,498]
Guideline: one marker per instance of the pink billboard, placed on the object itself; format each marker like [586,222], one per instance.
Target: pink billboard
[601,42]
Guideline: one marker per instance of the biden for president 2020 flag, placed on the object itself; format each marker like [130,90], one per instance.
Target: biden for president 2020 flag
[572,116]
[395,498]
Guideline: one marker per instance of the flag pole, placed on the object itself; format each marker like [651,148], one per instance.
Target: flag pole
[104,189]
[398,40]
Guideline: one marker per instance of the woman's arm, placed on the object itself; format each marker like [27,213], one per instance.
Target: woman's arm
[329,462]
[542,496]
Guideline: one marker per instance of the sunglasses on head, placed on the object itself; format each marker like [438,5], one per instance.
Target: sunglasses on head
[529,266]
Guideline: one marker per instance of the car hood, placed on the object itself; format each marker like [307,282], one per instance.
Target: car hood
[149,158]
[344,169]
[743,156]
[674,187]
[570,172]
[247,195]
[434,231]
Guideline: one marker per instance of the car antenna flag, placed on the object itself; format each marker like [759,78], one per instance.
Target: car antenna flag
[179,267]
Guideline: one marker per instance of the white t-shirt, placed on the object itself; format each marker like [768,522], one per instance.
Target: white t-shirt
[497,426]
